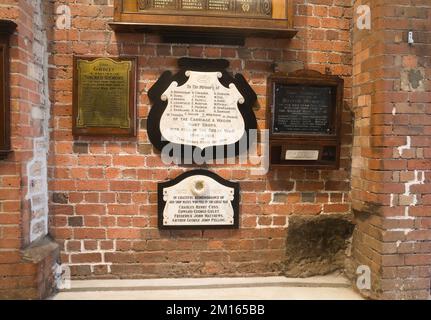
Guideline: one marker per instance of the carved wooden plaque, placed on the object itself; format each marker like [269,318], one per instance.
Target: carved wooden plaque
[247,8]
[104,96]
[206,21]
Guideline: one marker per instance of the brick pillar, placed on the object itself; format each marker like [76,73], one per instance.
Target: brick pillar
[27,254]
[391,169]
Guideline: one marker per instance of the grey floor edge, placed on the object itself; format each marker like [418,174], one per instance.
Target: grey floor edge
[331,287]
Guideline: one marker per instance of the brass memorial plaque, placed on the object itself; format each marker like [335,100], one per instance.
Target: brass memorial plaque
[104,97]
[252,8]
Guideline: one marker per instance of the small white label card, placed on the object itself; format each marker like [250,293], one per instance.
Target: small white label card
[302,155]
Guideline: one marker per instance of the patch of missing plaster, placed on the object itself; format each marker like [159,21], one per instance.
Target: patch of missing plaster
[413,79]
[316,245]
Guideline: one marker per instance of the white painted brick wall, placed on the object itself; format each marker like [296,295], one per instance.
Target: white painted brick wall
[37,167]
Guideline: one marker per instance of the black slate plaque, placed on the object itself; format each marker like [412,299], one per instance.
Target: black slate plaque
[302,109]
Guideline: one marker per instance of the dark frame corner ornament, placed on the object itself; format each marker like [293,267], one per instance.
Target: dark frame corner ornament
[198,172]
[7,28]
[97,82]
[200,65]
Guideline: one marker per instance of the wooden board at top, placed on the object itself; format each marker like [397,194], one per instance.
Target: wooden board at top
[206,21]
[246,8]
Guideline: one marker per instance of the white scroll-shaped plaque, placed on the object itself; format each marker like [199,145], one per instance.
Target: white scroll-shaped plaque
[198,200]
[202,112]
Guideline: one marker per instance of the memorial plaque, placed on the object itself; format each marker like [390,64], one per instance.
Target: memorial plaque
[104,96]
[221,5]
[198,199]
[157,4]
[303,109]
[226,22]
[304,117]
[246,8]
[202,112]
[192,4]
[202,106]
[6,29]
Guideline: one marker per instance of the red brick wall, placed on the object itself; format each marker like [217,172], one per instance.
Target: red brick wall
[391,158]
[22,277]
[10,179]
[103,191]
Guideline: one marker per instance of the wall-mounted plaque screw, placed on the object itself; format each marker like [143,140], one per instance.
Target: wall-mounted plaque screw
[411,40]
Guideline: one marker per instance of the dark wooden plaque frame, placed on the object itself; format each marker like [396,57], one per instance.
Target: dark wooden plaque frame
[256,11]
[227,183]
[7,28]
[328,144]
[107,131]
[204,26]
[206,65]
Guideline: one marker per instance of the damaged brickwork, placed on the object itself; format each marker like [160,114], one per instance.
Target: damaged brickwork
[316,245]
[391,151]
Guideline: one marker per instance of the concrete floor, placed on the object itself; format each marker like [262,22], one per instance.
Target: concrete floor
[332,287]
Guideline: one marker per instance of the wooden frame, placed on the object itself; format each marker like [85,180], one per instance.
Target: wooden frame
[94,130]
[211,27]
[327,144]
[7,28]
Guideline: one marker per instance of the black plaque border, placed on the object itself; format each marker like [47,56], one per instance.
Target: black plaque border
[181,177]
[206,65]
